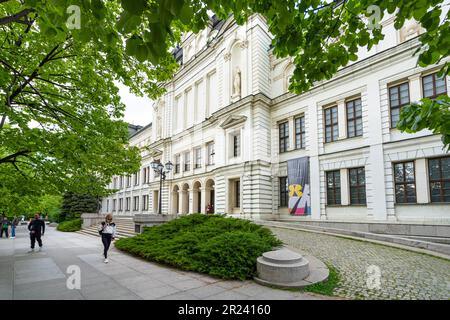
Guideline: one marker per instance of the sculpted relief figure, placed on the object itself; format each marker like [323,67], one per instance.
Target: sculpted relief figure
[158,122]
[237,82]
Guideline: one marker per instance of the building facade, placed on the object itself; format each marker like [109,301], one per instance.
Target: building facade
[229,125]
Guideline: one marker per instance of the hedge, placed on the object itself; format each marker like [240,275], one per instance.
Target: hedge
[70,225]
[216,245]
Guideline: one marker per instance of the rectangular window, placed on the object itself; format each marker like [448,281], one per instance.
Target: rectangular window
[333,187]
[237,145]
[354,118]
[357,179]
[284,198]
[405,182]
[198,158]
[237,190]
[145,175]
[121,182]
[145,202]
[115,183]
[211,153]
[177,163]
[187,161]
[136,178]
[398,97]
[114,205]
[136,203]
[283,130]
[107,205]
[433,86]
[127,203]
[128,181]
[439,173]
[121,204]
[331,124]
[300,132]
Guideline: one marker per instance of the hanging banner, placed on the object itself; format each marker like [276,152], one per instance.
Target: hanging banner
[298,186]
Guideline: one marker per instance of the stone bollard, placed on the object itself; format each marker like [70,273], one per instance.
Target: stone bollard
[287,269]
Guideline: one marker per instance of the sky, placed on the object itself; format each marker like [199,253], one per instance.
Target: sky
[139,110]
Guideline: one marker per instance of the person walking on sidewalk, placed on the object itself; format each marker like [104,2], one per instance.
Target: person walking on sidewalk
[108,232]
[14,224]
[37,230]
[4,226]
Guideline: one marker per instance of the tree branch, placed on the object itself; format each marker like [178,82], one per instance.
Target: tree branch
[14,156]
[16,18]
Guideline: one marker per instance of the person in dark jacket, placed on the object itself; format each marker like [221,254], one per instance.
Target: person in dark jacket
[37,230]
[4,225]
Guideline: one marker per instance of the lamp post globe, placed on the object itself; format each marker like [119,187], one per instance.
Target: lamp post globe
[154,165]
[169,166]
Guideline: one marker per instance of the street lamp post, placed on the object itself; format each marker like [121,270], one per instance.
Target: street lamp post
[162,170]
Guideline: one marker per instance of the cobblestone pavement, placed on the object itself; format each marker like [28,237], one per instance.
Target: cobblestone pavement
[404,274]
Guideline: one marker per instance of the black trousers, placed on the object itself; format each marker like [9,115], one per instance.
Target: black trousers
[34,237]
[4,230]
[106,239]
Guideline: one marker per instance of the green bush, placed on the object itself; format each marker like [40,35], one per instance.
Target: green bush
[70,225]
[212,244]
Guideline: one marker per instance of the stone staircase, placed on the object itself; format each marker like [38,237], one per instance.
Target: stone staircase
[124,227]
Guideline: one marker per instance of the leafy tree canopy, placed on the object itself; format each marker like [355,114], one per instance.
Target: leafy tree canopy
[59,60]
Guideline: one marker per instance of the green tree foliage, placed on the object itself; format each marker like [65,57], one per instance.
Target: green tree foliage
[428,114]
[58,91]
[73,205]
[60,127]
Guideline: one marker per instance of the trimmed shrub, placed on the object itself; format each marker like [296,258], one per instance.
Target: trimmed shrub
[213,244]
[70,225]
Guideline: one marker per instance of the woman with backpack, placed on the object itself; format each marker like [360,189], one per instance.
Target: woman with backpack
[107,231]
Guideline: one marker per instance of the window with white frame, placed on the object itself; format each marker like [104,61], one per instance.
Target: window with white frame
[187,161]
[236,144]
[398,97]
[145,202]
[136,203]
[198,157]
[283,136]
[211,153]
[127,203]
[331,124]
[433,85]
[177,163]
[300,132]
[354,118]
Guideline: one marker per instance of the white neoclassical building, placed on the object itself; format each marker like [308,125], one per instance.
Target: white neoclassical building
[230,127]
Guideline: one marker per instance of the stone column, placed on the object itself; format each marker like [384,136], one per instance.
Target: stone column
[190,194]
[342,119]
[422,189]
[345,187]
[377,207]
[291,133]
[203,199]
[190,197]
[415,88]
[180,201]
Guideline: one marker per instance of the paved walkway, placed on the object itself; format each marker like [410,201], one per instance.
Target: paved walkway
[43,275]
[403,274]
